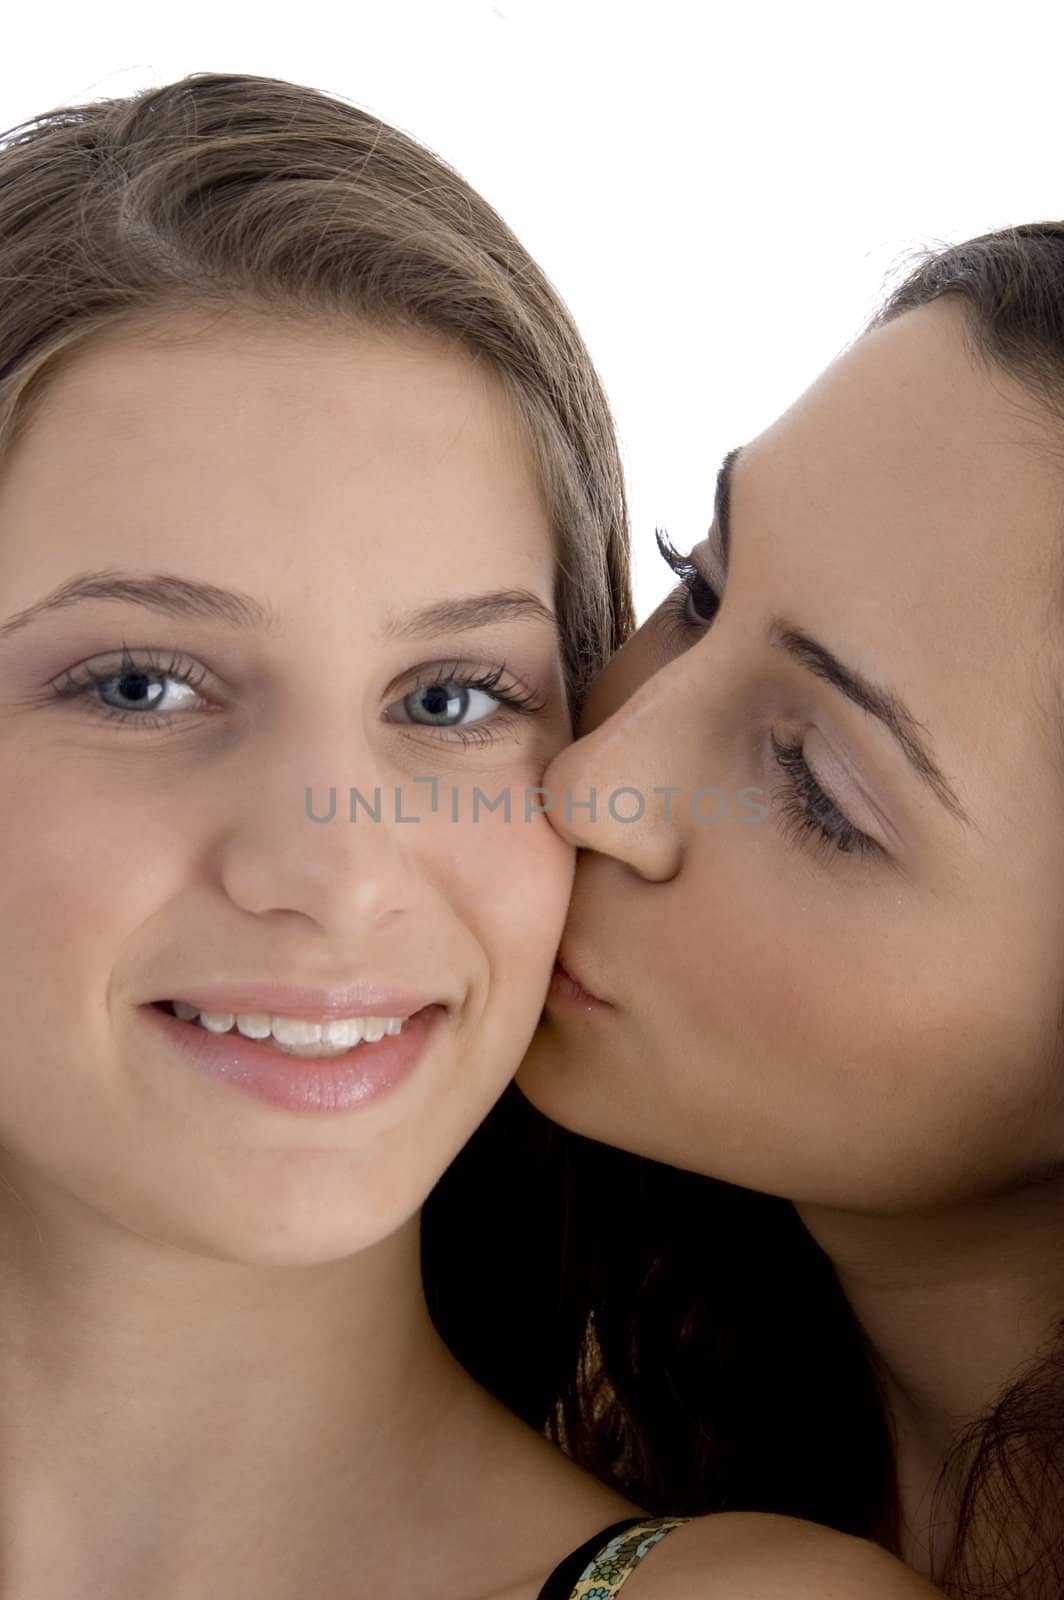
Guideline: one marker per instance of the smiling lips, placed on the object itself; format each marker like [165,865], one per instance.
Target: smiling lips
[300,1020]
[331,1036]
[291,1077]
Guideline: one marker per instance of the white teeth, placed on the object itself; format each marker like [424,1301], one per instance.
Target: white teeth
[254,1024]
[289,1030]
[345,1031]
[295,1035]
[217,1021]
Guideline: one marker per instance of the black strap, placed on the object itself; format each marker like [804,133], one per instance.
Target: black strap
[562,1581]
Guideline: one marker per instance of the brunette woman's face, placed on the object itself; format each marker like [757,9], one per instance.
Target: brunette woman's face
[357,584]
[844,984]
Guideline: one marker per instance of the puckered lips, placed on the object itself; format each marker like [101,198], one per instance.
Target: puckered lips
[564,985]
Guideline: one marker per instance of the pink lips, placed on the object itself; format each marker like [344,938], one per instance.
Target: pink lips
[360,1076]
[565,986]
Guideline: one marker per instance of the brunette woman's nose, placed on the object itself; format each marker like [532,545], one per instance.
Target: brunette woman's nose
[608,793]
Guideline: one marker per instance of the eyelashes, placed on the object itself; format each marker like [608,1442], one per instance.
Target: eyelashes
[808,813]
[699,605]
[807,810]
[459,680]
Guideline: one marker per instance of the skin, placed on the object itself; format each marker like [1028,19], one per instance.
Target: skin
[219,1376]
[873,1036]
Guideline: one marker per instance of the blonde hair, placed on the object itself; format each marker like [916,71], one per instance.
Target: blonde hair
[230,190]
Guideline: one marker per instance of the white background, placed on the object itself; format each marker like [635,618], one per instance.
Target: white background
[719,191]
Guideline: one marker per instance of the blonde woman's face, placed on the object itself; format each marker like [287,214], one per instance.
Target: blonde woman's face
[355,595]
[834,971]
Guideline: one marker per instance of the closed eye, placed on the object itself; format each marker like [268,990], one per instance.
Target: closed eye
[810,811]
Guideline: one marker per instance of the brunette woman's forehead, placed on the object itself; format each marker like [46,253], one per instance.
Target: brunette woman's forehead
[906,513]
[909,447]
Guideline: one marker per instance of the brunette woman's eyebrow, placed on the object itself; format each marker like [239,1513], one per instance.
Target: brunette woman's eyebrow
[881,703]
[172,596]
[722,504]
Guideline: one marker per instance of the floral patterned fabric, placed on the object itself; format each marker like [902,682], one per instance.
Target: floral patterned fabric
[605,1574]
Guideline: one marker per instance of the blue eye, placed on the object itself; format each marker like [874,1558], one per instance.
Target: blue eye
[131,678]
[464,702]
[137,687]
[448,705]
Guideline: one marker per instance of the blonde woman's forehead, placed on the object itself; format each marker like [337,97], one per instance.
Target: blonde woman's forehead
[352,391]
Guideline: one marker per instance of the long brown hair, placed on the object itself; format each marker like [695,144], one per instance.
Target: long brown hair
[688,1340]
[225,191]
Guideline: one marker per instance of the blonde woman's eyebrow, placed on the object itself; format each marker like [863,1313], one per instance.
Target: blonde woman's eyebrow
[465,612]
[162,592]
[172,596]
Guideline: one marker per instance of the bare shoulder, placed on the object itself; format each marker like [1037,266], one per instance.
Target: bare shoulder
[739,1555]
